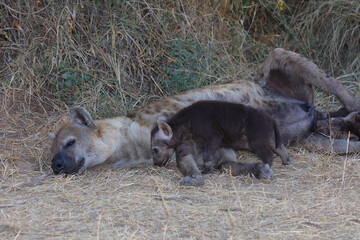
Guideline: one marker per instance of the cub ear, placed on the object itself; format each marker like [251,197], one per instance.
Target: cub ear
[165,130]
[80,116]
[351,118]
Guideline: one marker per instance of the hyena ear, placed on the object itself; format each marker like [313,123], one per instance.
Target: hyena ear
[165,130]
[51,135]
[351,118]
[80,116]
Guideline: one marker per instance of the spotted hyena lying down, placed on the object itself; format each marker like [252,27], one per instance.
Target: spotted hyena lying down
[284,78]
[219,124]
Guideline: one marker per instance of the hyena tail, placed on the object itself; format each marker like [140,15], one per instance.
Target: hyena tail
[277,135]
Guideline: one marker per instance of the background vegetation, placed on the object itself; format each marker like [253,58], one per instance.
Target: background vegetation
[112,56]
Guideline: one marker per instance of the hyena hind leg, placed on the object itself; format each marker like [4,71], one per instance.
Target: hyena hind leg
[265,153]
[211,153]
[228,162]
[259,170]
[283,154]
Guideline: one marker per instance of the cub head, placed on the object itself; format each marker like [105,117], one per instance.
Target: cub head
[71,146]
[161,137]
[341,126]
[353,124]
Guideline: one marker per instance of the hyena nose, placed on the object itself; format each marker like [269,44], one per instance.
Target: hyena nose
[58,166]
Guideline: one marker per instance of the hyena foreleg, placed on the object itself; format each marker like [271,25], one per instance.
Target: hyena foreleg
[319,142]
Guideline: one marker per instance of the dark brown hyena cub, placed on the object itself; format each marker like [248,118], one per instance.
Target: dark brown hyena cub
[219,124]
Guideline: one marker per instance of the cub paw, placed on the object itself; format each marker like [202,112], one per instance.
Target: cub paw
[207,168]
[193,180]
[207,171]
[288,161]
[265,172]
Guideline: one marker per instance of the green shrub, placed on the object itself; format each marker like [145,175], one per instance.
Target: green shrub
[189,66]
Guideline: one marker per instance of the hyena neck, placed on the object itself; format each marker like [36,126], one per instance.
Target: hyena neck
[129,146]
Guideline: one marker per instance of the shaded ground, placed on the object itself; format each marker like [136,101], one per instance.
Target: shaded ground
[317,197]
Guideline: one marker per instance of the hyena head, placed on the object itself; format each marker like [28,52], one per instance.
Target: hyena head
[339,127]
[72,144]
[161,142]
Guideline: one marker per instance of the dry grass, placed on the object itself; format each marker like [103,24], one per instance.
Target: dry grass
[315,198]
[113,56]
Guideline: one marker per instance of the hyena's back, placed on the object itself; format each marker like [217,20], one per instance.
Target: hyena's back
[244,92]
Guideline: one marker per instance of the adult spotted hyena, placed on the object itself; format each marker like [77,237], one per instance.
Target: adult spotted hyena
[283,78]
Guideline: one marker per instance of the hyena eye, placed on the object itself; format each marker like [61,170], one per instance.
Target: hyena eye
[156,150]
[70,143]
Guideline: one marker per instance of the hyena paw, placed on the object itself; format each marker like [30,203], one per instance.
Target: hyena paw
[193,180]
[264,172]
[288,161]
[207,171]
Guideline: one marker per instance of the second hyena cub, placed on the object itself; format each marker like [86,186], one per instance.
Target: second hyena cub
[219,124]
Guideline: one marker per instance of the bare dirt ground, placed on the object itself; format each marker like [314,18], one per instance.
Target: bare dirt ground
[317,197]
